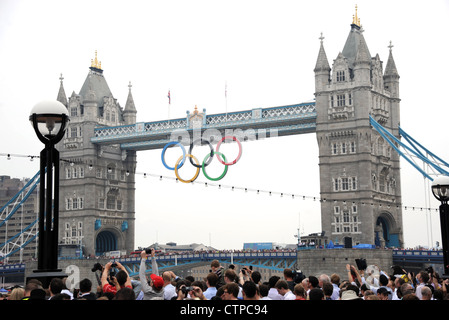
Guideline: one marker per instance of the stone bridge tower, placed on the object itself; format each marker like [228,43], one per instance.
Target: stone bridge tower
[359,171]
[97,184]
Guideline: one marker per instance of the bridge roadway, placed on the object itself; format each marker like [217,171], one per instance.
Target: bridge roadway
[277,261]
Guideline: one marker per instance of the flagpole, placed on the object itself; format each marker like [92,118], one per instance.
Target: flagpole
[226,100]
[169,104]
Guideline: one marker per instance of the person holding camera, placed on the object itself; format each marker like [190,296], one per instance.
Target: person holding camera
[190,293]
[111,282]
[153,288]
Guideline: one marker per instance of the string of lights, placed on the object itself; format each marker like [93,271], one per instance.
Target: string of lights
[375,202]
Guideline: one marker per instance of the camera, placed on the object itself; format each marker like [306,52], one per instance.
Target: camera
[186,290]
[298,276]
[361,264]
[430,270]
[148,250]
[244,269]
[97,266]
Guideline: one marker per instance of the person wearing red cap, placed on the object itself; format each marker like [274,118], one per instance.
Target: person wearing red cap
[153,288]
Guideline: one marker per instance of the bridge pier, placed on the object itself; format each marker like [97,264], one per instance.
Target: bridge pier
[329,261]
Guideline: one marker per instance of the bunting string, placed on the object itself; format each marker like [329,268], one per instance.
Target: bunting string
[375,202]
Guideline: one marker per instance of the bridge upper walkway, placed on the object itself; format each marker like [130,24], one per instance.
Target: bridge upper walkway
[283,120]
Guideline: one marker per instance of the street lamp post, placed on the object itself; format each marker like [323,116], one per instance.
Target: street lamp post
[440,189]
[49,119]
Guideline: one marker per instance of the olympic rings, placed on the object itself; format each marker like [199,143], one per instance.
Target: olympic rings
[197,169]
[204,167]
[211,153]
[240,150]
[183,155]
[206,161]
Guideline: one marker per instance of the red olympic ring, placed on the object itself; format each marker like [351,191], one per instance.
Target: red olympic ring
[240,150]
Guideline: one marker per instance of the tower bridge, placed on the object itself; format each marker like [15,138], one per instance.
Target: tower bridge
[357,164]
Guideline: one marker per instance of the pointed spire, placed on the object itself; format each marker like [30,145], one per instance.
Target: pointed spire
[390,69]
[61,94]
[129,114]
[129,106]
[322,63]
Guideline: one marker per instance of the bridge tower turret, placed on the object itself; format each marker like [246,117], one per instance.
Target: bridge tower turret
[97,183]
[359,172]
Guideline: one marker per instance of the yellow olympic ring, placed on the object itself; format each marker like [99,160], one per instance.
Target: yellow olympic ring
[197,169]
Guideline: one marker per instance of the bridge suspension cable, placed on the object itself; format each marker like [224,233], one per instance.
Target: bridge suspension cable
[413,151]
[25,235]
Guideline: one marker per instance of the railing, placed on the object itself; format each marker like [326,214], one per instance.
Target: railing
[418,256]
[218,256]
[117,134]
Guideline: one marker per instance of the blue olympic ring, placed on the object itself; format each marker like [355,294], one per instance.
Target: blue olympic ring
[183,155]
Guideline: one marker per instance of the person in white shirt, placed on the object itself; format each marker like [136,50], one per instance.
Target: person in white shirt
[273,294]
[169,288]
[283,290]
[211,282]
[422,278]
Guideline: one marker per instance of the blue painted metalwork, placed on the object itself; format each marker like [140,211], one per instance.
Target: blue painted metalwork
[418,256]
[395,143]
[30,190]
[9,269]
[16,241]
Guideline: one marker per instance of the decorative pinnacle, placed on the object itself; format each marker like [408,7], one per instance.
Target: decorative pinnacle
[355,19]
[95,63]
[321,38]
[390,46]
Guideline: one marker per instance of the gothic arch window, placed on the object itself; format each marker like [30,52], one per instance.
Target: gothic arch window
[383,180]
[380,146]
[113,200]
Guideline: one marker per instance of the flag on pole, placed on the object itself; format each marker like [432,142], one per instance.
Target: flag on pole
[169,100]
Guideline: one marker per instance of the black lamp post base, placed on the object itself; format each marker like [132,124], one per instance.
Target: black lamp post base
[45,276]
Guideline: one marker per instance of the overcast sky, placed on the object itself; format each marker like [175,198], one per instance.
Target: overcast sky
[265,51]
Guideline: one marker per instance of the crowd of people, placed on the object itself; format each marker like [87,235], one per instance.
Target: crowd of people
[246,284]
